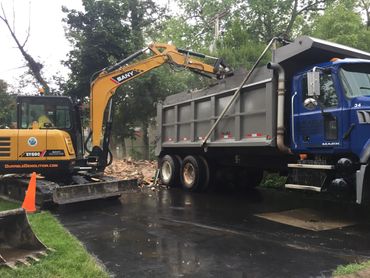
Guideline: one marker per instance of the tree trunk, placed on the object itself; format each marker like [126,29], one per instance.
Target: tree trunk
[145,141]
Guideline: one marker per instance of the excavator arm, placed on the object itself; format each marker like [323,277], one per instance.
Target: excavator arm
[109,79]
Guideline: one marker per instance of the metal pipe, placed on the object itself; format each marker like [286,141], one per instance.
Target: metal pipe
[236,94]
[195,54]
[280,129]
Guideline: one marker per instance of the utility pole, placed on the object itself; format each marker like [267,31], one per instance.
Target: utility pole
[217,24]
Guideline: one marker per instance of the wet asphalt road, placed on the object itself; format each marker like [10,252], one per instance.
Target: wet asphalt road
[171,233]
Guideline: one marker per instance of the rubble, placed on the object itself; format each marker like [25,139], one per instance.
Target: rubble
[143,170]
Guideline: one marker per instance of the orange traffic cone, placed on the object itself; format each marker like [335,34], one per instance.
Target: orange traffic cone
[29,203]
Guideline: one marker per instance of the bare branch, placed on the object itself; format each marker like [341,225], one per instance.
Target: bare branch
[29,24]
[13,18]
[3,16]
[310,6]
[295,12]
[34,67]
[292,18]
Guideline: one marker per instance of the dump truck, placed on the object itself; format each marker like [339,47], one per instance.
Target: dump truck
[306,115]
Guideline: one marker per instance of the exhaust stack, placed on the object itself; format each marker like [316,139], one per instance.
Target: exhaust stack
[280,129]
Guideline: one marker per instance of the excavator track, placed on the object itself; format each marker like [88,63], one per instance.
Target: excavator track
[79,188]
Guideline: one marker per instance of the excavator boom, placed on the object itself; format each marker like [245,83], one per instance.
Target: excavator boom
[109,79]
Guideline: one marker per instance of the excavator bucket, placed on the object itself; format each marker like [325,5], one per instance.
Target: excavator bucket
[18,243]
[99,189]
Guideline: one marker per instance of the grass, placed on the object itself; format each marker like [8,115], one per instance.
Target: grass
[273,180]
[70,259]
[351,268]
[5,205]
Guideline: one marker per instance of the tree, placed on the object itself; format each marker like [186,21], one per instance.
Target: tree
[341,24]
[105,33]
[238,47]
[365,6]
[8,106]
[269,18]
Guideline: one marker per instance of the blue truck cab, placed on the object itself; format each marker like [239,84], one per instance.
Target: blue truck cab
[330,122]
[336,118]
[327,116]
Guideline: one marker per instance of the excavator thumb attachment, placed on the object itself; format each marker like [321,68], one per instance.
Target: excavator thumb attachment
[100,189]
[18,243]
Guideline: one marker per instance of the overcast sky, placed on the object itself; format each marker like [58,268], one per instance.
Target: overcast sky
[46,43]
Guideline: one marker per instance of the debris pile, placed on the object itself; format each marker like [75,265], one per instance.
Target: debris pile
[142,170]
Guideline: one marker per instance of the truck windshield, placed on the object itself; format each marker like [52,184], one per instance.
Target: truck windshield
[355,79]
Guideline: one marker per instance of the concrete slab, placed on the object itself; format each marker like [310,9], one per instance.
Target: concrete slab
[309,219]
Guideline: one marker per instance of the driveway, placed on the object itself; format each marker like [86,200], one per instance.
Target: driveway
[170,233]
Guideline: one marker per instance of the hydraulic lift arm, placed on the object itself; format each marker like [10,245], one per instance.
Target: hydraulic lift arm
[109,79]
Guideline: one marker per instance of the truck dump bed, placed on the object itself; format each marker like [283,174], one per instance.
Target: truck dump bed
[187,117]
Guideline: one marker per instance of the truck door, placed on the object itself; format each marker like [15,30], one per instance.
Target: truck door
[317,119]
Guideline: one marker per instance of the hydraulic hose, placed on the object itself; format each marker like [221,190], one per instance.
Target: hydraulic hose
[86,141]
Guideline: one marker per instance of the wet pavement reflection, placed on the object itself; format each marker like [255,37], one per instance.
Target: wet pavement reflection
[171,233]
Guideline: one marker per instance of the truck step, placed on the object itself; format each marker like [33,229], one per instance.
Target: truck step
[311,166]
[303,187]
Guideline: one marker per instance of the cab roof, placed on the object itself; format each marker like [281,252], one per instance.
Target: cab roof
[306,51]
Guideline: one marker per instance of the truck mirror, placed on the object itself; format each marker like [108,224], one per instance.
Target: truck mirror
[310,103]
[313,86]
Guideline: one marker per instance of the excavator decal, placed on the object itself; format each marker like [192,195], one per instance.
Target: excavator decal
[126,75]
[45,153]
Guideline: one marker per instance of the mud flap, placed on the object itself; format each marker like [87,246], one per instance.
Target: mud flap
[93,190]
[18,243]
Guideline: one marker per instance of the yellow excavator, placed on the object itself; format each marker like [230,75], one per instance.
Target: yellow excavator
[47,137]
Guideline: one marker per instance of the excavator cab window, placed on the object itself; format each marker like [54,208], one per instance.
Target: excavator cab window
[45,113]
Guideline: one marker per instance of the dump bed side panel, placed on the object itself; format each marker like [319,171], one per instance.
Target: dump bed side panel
[185,119]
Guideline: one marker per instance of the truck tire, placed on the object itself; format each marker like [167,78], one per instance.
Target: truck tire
[169,169]
[248,177]
[193,174]
[208,173]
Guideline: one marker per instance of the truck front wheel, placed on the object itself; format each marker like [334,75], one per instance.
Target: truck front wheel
[248,177]
[169,167]
[193,173]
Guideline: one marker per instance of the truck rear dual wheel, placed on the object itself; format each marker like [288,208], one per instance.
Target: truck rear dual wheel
[195,173]
[169,166]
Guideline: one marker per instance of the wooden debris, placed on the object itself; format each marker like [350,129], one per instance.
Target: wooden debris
[143,170]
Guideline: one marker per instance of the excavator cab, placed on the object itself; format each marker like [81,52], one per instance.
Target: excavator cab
[51,112]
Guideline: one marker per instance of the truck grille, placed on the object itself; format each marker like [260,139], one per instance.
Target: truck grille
[363,116]
[4,147]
